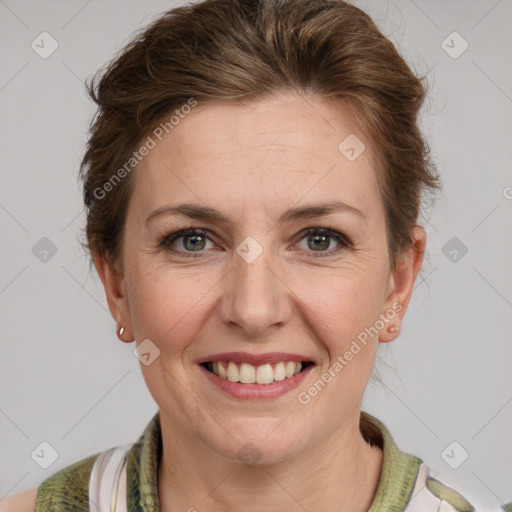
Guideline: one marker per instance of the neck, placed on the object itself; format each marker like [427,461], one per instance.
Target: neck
[341,472]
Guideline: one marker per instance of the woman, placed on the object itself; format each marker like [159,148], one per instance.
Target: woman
[253,182]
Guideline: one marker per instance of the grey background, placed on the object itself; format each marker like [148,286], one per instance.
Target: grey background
[65,377]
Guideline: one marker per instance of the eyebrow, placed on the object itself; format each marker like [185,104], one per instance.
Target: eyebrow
[208,214]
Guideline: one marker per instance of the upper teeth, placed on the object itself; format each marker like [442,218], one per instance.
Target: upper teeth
[249,374]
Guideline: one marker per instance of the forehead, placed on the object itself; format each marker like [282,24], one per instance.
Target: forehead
[272,152]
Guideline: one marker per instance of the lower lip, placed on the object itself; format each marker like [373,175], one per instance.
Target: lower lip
[256,391]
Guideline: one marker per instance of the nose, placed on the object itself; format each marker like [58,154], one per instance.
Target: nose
[255,297]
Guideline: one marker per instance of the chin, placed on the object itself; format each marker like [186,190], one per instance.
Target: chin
[260,441]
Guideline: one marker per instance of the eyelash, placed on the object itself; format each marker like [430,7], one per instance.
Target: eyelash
[344,243]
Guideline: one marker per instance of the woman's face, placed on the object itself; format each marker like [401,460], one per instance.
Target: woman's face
[256,283]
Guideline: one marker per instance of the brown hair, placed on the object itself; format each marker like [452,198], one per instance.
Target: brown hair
[242,50]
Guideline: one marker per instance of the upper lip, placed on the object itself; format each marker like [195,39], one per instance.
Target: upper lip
[254,359]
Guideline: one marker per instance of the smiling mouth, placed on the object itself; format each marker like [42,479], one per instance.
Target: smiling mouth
[246,373]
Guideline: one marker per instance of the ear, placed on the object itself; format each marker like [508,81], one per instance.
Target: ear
[115,290]
[401,284]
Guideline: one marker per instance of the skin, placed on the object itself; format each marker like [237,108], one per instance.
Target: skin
[253,162]
[22,502]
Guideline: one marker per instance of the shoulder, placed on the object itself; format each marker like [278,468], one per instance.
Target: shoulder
[406,483]
[65,490]
[22,502]
[431,494]
[68,489]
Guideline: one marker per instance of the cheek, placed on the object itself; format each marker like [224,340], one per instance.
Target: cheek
[167,306]
[342,307]
[344,322]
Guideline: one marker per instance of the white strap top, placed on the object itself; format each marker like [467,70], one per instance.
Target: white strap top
[107,485]
[422,500]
